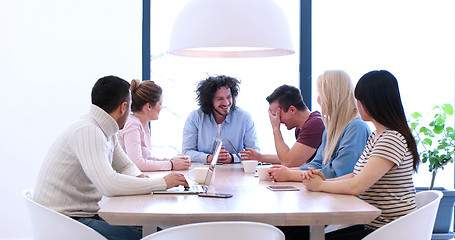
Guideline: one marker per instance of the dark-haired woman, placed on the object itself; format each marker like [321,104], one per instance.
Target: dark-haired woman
[383,174]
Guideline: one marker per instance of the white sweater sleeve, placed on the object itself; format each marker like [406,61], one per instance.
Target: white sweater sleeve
[96,154]
[121,162]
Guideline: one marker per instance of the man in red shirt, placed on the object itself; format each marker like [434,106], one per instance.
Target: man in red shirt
[286,106]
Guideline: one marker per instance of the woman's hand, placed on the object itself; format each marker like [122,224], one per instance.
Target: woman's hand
[313,183]
[279,173]
[180,162]
[311,173]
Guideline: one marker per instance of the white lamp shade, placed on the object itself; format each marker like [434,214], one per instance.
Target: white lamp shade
[231,28]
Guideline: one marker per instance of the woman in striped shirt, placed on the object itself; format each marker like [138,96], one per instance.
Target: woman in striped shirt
[383,174]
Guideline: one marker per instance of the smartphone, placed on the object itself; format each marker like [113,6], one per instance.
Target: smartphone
[282,188]
[215,195]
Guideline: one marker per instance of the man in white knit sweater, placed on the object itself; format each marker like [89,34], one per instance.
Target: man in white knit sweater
[87,162]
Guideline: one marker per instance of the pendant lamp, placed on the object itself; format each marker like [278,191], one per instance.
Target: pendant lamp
[231,29]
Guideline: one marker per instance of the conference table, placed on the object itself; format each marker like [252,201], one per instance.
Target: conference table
[251,201]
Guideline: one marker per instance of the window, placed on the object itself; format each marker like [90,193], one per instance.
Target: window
[412,39]
[178,76]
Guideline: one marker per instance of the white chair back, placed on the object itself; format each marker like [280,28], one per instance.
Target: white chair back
[417,225]
[48,224]
[220,231]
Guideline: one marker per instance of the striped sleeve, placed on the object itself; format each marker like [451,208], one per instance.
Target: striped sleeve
[393,193]
[391,146]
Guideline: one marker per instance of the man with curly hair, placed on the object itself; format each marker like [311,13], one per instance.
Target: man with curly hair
[216,98]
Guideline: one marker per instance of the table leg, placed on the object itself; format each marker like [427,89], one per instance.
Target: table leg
[317,233]
[147,230]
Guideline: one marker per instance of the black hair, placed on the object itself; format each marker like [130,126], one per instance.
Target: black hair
[287,96]
[109,92]
[206,91]
[379,94]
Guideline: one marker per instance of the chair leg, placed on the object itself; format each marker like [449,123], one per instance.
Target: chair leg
[147,230]
[316,232]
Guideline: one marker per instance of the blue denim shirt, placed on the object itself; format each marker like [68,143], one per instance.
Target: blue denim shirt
[200,131]
[347,151]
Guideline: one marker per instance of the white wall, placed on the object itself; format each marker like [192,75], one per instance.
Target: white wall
[51,54]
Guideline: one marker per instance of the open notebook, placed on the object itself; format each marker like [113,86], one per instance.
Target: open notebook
[198,188]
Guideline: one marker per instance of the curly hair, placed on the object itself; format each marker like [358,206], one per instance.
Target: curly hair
[206,91]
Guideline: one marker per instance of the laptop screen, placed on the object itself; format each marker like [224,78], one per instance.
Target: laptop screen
[216,152]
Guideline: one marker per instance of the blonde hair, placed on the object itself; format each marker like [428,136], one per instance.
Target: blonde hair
[338,107]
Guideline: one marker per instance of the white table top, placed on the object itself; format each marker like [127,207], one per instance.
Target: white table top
[251,201]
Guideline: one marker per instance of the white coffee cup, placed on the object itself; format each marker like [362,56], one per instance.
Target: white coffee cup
[249,166]
[198,174]
[262,172]
[184,156]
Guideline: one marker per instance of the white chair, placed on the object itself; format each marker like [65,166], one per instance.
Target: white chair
[219,231]
[48,224]
[415,225]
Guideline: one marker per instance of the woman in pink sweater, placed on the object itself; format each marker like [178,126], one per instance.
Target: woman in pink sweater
[146,99]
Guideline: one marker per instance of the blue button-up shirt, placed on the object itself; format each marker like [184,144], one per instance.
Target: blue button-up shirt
[200,131]
[349,147]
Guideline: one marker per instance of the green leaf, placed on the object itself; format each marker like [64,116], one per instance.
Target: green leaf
[416,115]
[426,131]
[452,136]
[442,118]
[438,129]
[448,109]
[427,141]
[438,145]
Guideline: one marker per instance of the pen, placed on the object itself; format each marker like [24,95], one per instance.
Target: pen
[235,151]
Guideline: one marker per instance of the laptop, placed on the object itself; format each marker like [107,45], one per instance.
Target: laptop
[198,188]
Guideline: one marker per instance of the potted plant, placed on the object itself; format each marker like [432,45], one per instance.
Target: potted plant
[436,143]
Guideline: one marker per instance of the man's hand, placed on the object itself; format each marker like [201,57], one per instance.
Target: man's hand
[224,156]
[175,179]
[275,119]
[142,176]
[250,154]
